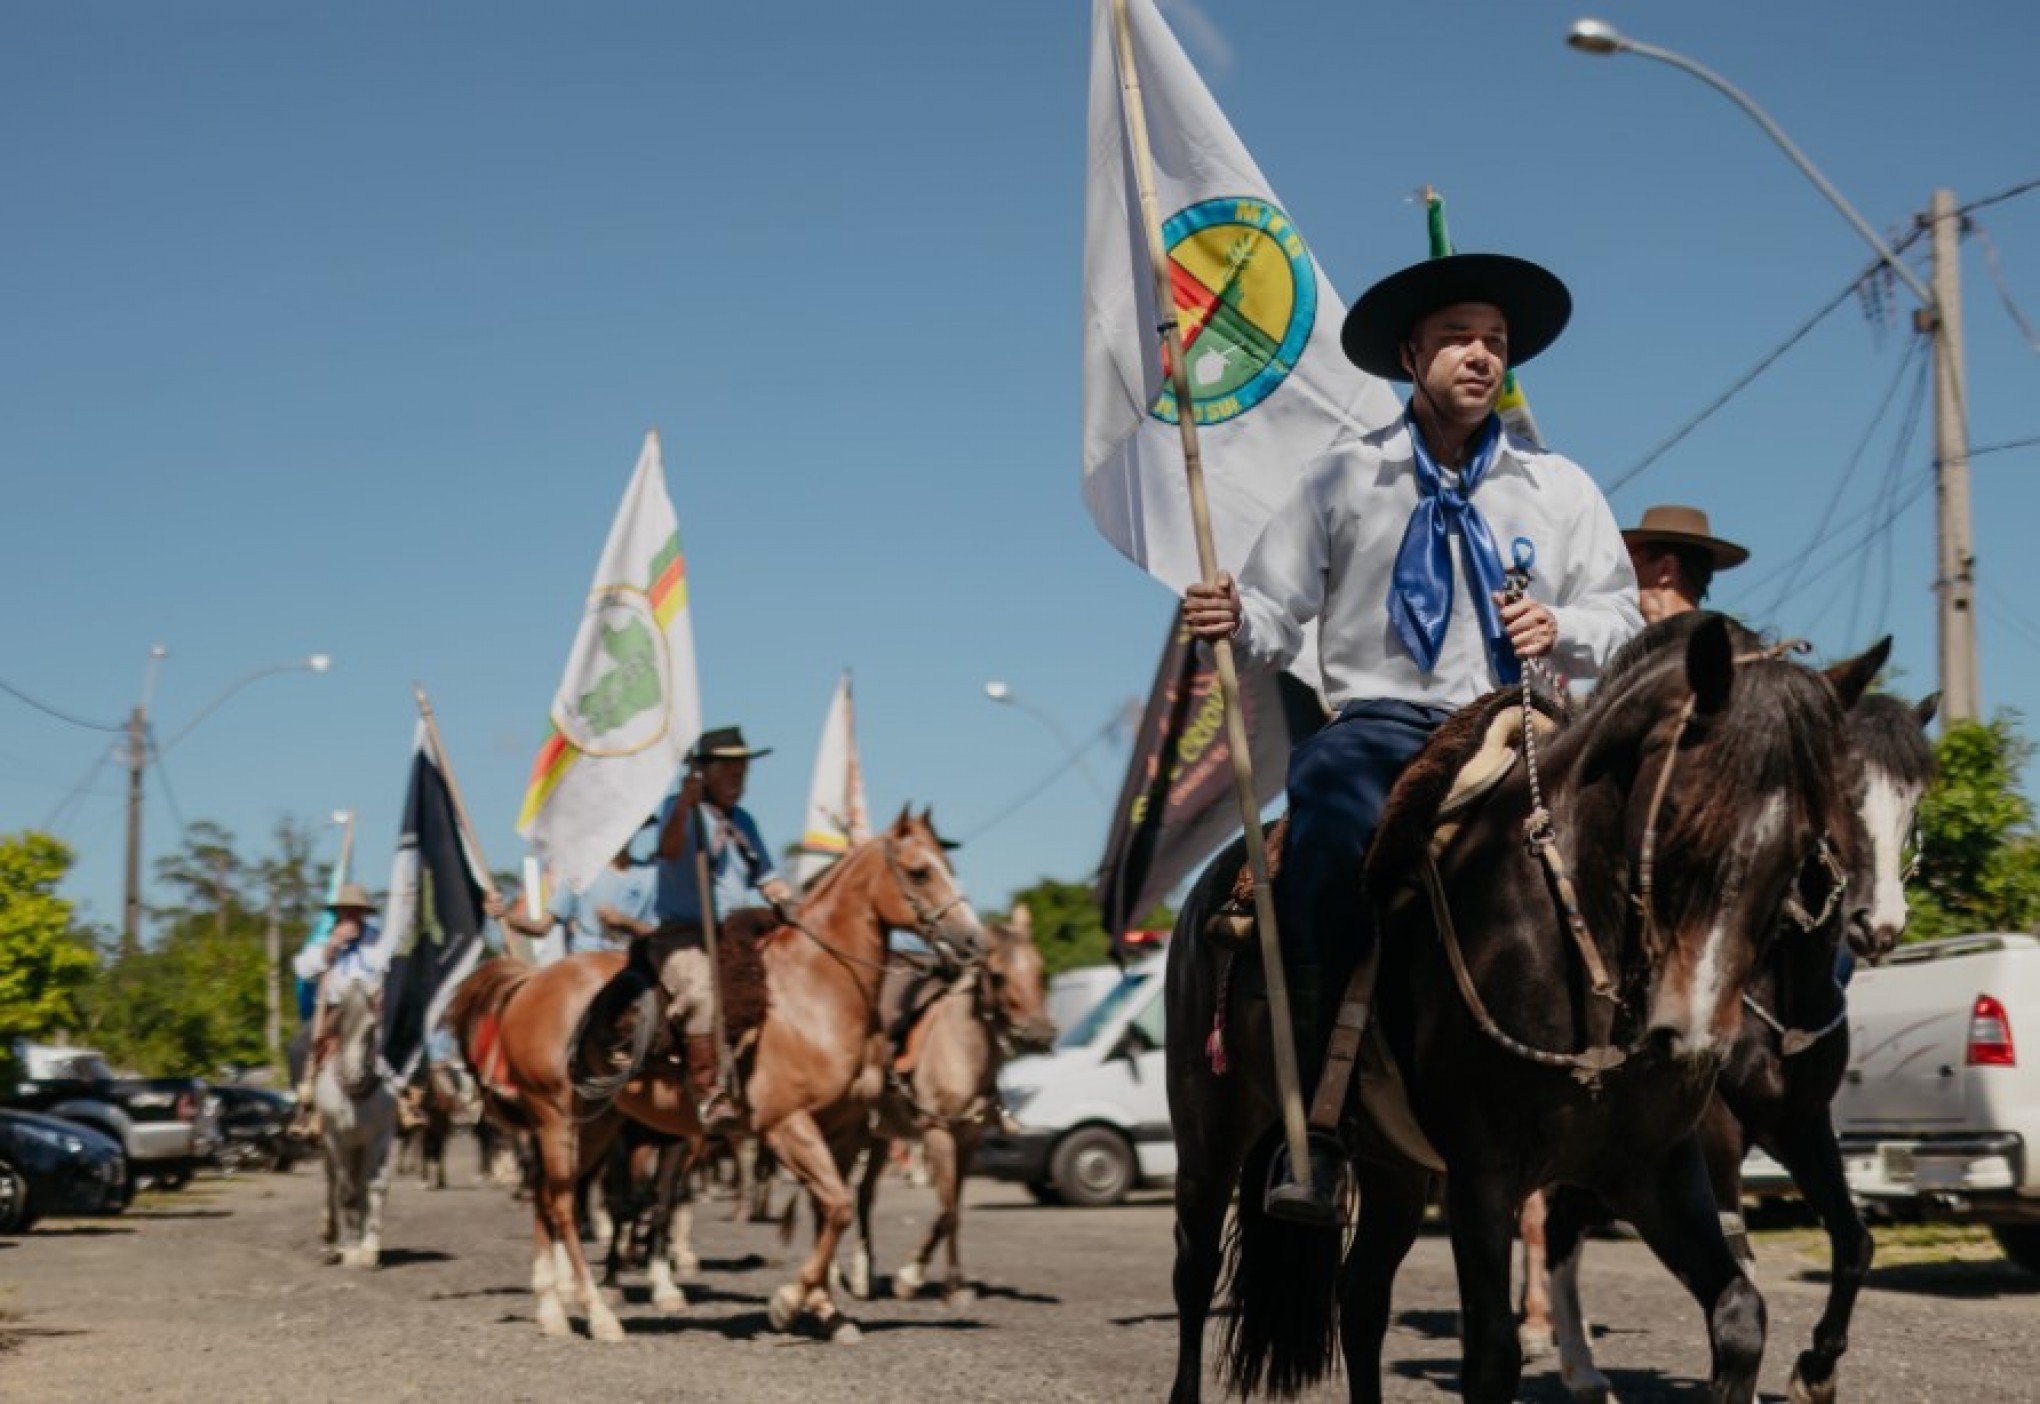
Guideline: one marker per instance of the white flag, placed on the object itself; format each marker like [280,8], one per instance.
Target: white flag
[836,814]
[629,704]
[1270,389]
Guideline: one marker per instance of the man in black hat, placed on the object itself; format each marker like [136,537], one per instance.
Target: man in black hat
[1396,544]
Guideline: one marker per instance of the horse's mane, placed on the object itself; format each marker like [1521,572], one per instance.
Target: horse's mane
[1659,644]
[834,871]
[482,990]
[1888,736]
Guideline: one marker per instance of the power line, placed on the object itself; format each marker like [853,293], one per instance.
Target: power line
[2024,187]
[2004,291]
[1069,762]
[78,790]
[56,712]
[169,794]
[2008,444]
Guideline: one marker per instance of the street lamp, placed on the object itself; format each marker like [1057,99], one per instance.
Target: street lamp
[138,755]
[1940,316]
[1592,36]
[1001,693]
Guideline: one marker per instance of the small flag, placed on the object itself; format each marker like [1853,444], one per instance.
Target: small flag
[1270,388]
[433,921]
[836,812]
[1176,804]
[629,705]
[1512,406]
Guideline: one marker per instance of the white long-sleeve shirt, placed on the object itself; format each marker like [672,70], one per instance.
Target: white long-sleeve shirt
[1329,551]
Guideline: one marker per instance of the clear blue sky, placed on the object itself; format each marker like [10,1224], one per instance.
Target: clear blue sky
[337,329]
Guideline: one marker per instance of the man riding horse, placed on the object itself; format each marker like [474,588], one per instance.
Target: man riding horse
[352,954]
[1364,546]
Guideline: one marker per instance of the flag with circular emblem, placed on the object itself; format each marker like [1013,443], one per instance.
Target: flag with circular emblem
[629,704]
[1270,389]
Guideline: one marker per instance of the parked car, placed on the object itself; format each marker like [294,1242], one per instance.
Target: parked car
[1094,1113]
[54,1168]
[254,1128]
[163,1122]
[1939,1114]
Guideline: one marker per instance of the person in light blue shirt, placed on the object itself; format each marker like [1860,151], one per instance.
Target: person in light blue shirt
[615,907]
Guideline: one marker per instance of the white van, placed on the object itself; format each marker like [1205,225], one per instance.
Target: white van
[1072,993]
[1939,1113]
[1094,1114]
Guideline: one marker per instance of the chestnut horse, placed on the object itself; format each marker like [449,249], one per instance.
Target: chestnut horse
[517,1027]
[947,1094]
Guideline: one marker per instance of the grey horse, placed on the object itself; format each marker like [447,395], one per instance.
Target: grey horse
[359,1116]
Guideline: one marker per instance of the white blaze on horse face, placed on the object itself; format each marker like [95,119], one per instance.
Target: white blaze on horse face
[1888,809]
[1695,1016]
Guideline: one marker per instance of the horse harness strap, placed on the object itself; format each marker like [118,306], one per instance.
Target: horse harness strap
[1795,1041]
[1588,1066]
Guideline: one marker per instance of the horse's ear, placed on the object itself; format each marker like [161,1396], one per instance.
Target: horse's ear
[1852,677]
[1021,919]
[1710,665]
[1924,711]
[901,825]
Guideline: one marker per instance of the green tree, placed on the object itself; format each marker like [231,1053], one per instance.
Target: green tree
[1979,852]
[45,962]
[1068,929]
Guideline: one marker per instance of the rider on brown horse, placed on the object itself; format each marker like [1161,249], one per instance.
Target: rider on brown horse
[674,956]
[1364,546]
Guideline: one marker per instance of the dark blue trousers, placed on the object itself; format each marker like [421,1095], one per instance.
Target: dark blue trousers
[1339,781]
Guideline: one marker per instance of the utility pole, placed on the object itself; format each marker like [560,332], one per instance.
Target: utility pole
[131,904]
[272,941]
[1955,573]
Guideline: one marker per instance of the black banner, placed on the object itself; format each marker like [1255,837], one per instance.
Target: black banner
[434,916]
[1176,806]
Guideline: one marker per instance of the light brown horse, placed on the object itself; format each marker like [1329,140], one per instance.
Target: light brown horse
[946,1092]
[517,1025]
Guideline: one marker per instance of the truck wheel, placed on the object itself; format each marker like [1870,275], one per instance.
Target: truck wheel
[2021,1243]
[1092,1167]
[14,1215]
[174,1180]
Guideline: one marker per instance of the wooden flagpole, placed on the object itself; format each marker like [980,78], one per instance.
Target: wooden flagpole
[1288,1081]
[520,949]
[705,887]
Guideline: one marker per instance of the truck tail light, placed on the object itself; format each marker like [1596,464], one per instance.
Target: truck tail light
[1990,1035]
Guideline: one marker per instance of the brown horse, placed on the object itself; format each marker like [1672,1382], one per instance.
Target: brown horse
[518,1027]
[945,1090]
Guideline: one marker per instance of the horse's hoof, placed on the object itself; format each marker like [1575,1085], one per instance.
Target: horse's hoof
[672,1303]
[784,1308]
[602,1326]
[552,1319]
[1589,1386]
[843,1331]
[686,1264]
[1535,1341]
[860,1276]
[332,1257]
[960,1296]
[1800,1391]
[906,1283]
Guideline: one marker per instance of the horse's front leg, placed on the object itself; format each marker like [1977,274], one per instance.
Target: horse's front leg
[560,1154]
[958,1292]
[1535,1331]
[1673,1208]
[379,1165]
[938,1148]
[1570,1211]
[1391,1215]
[1806,1147]
[866,1253]
[799,1145]
[672,1161]
[1483,1209]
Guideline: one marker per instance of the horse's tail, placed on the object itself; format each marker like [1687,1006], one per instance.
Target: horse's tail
[1282,1284]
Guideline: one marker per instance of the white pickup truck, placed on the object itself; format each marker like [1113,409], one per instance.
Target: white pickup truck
[1939,1114]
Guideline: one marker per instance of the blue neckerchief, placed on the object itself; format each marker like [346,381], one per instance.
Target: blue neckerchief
[1420,596]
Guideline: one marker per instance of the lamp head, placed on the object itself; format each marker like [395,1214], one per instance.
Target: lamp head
[998,691]
[319,662]
[1592,36]
[343,816]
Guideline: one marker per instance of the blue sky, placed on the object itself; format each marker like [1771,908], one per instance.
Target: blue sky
[338,329]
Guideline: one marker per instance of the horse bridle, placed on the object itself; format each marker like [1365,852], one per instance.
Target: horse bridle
[927,919]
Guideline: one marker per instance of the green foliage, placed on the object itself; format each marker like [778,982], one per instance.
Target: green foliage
[194,1001]
[1979,852]
[1068,930]
[44,960]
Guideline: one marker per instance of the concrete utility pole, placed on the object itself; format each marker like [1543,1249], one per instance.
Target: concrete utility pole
[272,943]
[1955,573]
[131,902]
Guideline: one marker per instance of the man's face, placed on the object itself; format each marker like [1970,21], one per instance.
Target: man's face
[723,781]
[1458,355]
[347,925]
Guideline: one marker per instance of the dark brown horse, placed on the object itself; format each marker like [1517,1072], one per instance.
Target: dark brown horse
[517,1027]
[1700,748]
[944,1092]
[1790,1053]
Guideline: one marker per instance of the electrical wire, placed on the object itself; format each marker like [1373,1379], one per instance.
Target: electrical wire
[78,791]
[2025,187]
[56,712]
[1068,764]
[2004,291]
[2009,610]
[1985,449]
[169,793]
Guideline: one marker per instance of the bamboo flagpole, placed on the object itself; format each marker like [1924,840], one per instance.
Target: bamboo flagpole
[1288,1081]
[705,886]
[520,949]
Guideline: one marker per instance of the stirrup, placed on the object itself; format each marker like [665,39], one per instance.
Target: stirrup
[1312,1203]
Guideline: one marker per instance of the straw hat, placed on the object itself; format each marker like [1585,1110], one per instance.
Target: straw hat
[1685,526]
[352,897]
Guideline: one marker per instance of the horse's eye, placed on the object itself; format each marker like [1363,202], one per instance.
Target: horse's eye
[921,874]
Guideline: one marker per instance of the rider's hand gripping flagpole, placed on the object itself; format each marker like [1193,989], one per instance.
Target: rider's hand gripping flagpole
[1288,1081]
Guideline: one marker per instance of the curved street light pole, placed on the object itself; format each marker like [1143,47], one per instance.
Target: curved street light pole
[317,663]
[1001,693]
[1941,318]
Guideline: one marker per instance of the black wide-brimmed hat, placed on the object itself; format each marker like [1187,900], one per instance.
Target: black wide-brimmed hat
[1534,302]
[724,743]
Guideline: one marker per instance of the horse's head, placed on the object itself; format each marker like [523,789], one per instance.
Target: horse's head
[1015,988]
[1894,767]
[925,895]
[1723,764]
[357,1032]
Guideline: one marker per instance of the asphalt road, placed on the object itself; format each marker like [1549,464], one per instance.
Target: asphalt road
[218,1294]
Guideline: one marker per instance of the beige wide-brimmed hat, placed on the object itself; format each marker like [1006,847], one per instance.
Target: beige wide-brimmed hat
[352,896]
[1685,526]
